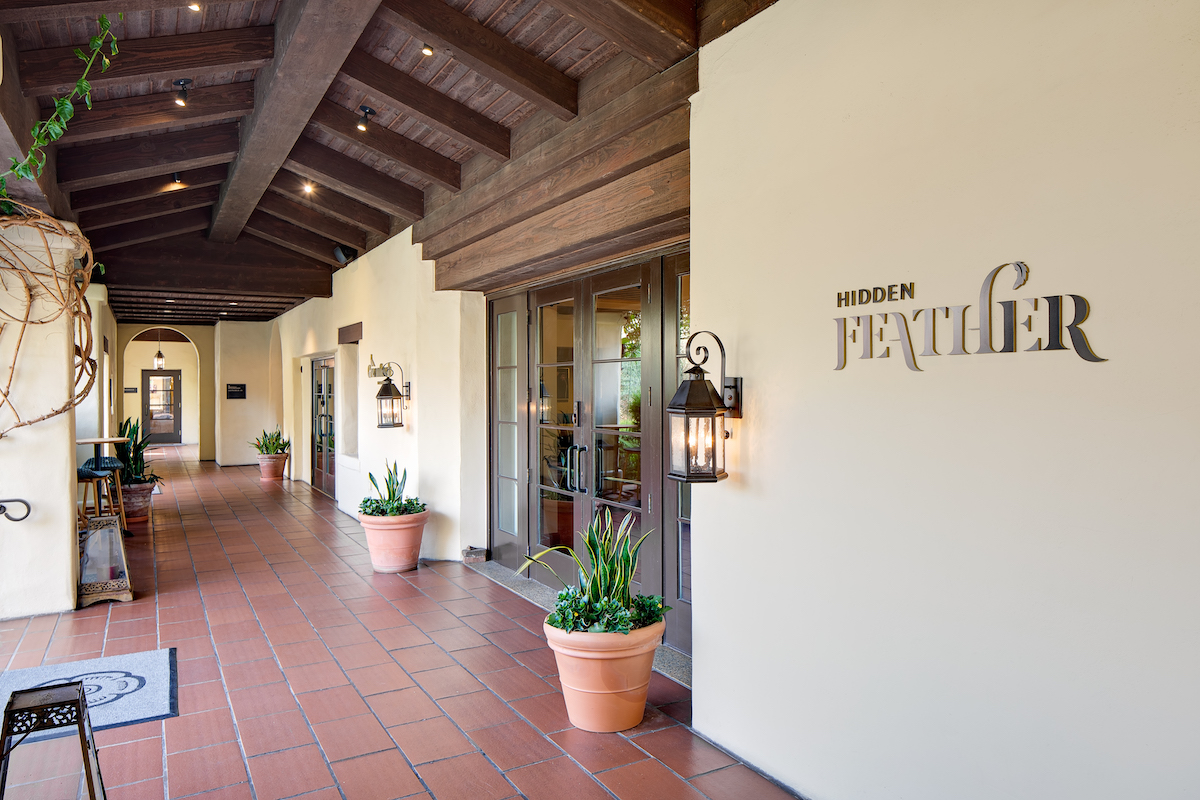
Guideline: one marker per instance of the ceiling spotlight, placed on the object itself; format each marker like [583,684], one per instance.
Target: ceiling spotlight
[368,112]
[194,6]
[175,177]
[170,301]
[344,254]
[232,303]
[182,95]
[426,50]
[308,188]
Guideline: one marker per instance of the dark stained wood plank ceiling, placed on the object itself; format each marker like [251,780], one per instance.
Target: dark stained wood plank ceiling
[144,175]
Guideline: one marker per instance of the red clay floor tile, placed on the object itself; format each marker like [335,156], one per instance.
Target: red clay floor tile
[403,705]
[289,772]
[558,779]
[274,732]
[468,777]
[330,704]
[379,776]
[516,744]
[597,751]
[647,780]
[430,740]
[477,710]
[352,736]
[738,782]
[195,771]
[683,751]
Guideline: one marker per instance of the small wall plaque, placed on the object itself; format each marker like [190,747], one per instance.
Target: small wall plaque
[130,390]
[235,391]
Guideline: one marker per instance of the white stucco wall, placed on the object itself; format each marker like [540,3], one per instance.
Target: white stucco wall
[978,580]
[176,355]
[96,415]
[242,351]
[439,340]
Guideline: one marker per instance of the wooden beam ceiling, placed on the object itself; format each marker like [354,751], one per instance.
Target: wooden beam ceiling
[355,179]
[486,52]
[155,112]
[148,230]
[90,165]
[658,32]
[293,237]
[330,202]
[314,36]
[34,10]
[157,206]
[280,206]
[421,161]
[407,94]
[18,115]
[54,70]
[144,188]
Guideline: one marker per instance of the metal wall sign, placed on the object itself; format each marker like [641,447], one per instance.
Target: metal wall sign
[235,391]
[1031,324]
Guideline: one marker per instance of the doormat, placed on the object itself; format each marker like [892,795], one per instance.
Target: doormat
[120,690]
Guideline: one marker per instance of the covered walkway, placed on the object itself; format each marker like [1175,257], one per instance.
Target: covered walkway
[304,674]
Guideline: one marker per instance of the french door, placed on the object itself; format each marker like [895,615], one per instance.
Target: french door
[162,406]
[323,441]
[578,392]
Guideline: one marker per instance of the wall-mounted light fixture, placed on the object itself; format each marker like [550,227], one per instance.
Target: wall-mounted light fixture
[365,119]
[182,95]
[696,419]
[344,253]
[391,399]
[159,361]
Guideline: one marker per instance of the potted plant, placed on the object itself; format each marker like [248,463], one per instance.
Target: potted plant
[393,525]
[604,637]
[272,454]
[137,482]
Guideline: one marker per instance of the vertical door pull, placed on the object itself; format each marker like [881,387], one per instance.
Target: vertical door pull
[579,449]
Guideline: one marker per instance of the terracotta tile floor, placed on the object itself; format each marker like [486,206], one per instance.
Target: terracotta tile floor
[304,674]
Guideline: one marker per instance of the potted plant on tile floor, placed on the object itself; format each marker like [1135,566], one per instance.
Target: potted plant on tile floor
[137,482]
[272,454]
[604,637]
[393,524]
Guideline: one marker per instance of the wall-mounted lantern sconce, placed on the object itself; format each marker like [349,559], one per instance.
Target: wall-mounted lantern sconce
[696,419]
[391,399]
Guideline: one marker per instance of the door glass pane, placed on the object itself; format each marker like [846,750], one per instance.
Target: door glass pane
[556,333]
[684,579]
[506,433]
[162,404]
[556,395]
[556,515]
[506,324]
[508,505]
[554,449]
[684,320]
[507,389]
[617,395]
[618,323]
[618,468]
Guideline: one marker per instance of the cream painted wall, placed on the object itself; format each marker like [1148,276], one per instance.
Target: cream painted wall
[39,559]
[202,337]
[979,580]
[177,355]
[438,339]
[243,353]
[96,415]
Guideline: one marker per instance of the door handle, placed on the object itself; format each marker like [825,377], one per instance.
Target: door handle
[571,468]
[579,449]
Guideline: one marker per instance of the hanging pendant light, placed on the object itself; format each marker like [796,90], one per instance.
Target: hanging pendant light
[159,361]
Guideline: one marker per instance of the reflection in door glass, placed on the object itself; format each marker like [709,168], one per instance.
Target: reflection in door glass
[556,395]
[162,404]
[556,515]
[618,395]
[618,469]
[618,324]
[684,584]
[684,320]
[556,333]
[556,466]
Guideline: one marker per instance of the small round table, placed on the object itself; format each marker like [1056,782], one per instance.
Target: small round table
[98,444]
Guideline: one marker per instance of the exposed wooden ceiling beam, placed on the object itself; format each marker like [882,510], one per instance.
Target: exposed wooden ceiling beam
[18,115]
[278,205]
[331,202]
[148,230]
[293,237]
[486,52]
[356,179]
[216,305]
[658,32]
[407,94]
[337,121]
[55,69]
[192,263]
[153,112]
[90,165]
[144,188]
[314,37]
[157,206]
[171,297]
[34,10]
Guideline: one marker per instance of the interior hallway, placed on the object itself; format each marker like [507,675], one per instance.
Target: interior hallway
[304,674]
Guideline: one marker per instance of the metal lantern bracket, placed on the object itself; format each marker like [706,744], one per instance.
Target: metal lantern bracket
[385,370]
[731,388]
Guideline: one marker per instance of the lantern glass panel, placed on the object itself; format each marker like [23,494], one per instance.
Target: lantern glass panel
[389,412]
[719,445]
[678,442]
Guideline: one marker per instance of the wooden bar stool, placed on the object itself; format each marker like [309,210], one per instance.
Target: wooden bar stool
[98,481]
[113,465]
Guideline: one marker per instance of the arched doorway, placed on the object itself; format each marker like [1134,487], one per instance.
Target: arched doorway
[163,394]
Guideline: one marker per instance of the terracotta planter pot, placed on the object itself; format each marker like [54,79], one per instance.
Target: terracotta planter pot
[394,542]
[605,676]
[135,499]
[271,467]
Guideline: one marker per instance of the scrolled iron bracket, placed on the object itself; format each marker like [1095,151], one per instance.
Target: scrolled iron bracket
[731,388]
[8,515]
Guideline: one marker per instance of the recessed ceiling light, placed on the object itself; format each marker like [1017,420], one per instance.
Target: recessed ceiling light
[232,303]
[170,301]
[307,188]
[426,50]
[182,95]
[194,6]
[224,312]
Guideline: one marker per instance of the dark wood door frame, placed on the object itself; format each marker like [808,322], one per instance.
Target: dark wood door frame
[175,436]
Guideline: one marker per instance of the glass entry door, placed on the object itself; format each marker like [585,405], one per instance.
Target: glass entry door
[162,417]
[323,443]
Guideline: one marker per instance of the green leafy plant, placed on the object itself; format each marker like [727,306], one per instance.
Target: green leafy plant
[393,503]
[133,455]
[271,444]
[603,602]
[51,130]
